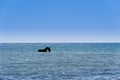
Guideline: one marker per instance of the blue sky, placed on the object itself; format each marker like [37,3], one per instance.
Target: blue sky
[59,20]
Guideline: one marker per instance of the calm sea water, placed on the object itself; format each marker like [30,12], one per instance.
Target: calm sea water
[74,61]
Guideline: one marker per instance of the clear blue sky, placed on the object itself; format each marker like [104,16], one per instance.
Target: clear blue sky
[59,20]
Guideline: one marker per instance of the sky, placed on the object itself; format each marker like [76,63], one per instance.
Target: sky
[59,21]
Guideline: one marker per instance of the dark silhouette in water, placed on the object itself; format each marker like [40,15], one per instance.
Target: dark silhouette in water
[47,49]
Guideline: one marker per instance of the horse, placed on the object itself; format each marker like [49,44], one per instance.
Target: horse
[47,49]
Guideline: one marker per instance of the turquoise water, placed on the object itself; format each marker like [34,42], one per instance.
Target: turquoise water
[67,61]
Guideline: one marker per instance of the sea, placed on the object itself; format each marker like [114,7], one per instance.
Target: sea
[66,61]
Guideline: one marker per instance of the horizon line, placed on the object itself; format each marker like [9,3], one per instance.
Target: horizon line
[59,42]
